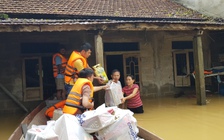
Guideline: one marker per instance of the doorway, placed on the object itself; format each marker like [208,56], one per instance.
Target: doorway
[183,63]
[38,80]
[115,62]
[32,79]
[125,58]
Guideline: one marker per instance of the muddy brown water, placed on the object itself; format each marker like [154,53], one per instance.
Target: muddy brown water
[8,123]
[168,117]
[181,119]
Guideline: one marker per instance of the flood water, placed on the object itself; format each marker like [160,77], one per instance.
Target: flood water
[169,118]
[181,119]
[8,123]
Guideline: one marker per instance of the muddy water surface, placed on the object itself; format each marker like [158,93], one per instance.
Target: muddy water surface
[168,117]
[8,123]
[181,119]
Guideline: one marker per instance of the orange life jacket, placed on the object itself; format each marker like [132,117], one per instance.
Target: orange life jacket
[50,111]
[59,69]
[74,100]
[70,71]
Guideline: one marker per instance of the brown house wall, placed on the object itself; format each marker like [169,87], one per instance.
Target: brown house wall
[156,65]
[11,58]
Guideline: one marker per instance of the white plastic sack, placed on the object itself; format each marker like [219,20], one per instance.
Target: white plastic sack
[67,127]
[42,132]
[95,120]
[125,127]
[113,94]
[57,114]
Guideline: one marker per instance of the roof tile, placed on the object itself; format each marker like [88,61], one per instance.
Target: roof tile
[104,8]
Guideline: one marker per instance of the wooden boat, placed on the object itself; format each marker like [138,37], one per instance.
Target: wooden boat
[37,117]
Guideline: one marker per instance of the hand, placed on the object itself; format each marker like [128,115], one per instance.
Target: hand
[123,100]
[100,80]
[92,106]
[105,87]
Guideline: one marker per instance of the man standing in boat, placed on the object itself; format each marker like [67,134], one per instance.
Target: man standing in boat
[77,61]
[59,63]
[80,97]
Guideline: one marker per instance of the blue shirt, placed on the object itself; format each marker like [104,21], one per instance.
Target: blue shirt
[58,62]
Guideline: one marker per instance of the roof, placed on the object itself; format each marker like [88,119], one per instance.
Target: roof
[80,13]
[102,8]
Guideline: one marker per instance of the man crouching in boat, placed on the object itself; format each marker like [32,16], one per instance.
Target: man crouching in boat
[80,97]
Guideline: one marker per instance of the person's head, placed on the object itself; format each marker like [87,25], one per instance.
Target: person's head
[115,75]
[61,49]
[87,73]
[130,80]
[85,50]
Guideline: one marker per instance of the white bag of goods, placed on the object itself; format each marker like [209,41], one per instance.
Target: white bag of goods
[95,120]
[125,127]
[57,114]
[100,72]
[67,127]
[42,132]
[113,94]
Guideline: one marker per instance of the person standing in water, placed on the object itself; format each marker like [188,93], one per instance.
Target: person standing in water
[115,75]
[132,95]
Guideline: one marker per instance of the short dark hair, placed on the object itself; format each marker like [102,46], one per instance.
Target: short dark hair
[132,77]
[86,72]
[85,47]
[115,70]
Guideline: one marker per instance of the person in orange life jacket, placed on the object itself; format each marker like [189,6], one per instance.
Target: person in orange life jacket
[132,95]
[59,64]
[77,61]
[80,97]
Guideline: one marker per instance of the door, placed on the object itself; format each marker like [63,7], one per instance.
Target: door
[131,66]
[32,79]
[115,62]
[183,66]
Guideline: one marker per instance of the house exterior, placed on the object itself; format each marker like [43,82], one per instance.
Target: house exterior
[153,40]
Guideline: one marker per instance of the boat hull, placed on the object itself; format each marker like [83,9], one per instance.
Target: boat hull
[37,117]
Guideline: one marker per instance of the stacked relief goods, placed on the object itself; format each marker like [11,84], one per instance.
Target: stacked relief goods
[104,123]
[124,127]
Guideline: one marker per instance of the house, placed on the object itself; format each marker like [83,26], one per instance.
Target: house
[158,41]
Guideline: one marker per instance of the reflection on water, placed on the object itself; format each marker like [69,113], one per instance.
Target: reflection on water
[168,117]
[181,119]
[8,123]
